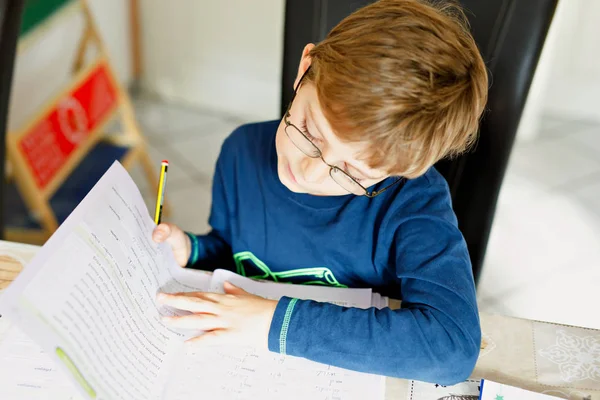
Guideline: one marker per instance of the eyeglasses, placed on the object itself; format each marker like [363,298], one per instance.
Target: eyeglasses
[339,176]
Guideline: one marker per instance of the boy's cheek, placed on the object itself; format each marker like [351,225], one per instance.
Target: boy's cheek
[278,140]
[282,150]
[283,147]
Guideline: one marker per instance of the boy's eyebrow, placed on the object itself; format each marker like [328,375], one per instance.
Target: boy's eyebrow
[312,118]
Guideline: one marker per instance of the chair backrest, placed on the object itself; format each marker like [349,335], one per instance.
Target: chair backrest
[510,35]
[10,23]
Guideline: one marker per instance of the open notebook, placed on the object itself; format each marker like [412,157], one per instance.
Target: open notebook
[86,303]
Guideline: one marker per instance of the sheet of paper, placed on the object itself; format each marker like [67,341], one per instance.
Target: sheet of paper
[246,373]
[379,301]
[384,302]
[27,372]
[88,297]
[341,296]
[5,326]
[493,391]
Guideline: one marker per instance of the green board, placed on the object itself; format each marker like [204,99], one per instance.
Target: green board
[38,11]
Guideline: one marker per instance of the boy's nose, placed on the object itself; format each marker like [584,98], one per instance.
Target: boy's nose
[315,170]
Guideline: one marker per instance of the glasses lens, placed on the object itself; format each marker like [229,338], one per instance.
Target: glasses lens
[342,179]
[302,142]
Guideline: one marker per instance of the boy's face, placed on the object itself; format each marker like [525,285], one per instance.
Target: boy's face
[303,174]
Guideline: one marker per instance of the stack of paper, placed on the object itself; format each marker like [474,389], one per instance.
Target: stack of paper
[27,372]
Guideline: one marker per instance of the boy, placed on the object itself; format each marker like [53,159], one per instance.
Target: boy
[342,192]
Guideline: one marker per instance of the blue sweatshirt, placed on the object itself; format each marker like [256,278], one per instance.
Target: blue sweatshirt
[403,243]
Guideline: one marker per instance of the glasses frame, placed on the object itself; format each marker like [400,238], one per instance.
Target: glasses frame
[318,154]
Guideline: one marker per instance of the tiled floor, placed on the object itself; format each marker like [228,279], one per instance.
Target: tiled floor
[190,140]
[543,260]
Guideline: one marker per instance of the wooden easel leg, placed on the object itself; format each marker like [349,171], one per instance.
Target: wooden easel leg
[48,220]
[83,45]
[136,47]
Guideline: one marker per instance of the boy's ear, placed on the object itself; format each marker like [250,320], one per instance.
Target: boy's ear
[304,63]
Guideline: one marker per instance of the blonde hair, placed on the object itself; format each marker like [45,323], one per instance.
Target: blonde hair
[404,77]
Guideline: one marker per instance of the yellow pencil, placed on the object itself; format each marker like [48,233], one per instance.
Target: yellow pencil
[162,183]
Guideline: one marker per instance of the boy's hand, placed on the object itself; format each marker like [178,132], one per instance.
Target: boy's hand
[177,239]
[237,317]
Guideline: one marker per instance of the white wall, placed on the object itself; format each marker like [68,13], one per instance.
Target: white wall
[43,67]
[567,80]
[573,86]
[221,55]
[529,126]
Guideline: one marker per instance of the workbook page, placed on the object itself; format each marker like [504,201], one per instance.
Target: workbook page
[89,296]
[26,371]
[237,372]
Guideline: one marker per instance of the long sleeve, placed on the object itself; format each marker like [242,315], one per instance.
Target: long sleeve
[404,243]
[434,337]
[213,250]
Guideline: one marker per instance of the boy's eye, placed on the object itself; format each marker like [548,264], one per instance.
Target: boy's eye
[346,170]
[304,130]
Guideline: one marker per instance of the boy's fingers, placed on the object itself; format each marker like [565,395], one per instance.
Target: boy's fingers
[161,232]
[203,322]
[208,296]
[211,338]
[230,288]
[189,303]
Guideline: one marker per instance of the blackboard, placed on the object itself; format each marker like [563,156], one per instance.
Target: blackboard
[38,11]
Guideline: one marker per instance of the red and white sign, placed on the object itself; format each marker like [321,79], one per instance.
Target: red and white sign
[48,145]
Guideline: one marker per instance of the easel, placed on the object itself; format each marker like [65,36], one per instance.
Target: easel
[61,153]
